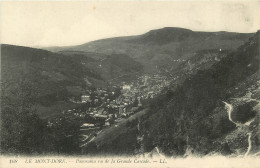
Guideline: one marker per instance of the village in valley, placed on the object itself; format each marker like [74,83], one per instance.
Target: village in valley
[101,108]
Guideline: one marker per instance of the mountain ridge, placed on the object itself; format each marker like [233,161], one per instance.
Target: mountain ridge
[55,48]
[157,48]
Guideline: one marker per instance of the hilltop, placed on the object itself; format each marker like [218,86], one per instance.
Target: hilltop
[156,48]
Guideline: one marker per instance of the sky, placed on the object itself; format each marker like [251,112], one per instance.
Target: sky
[65,23]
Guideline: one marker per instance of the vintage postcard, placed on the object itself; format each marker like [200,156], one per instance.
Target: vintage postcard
[130,84]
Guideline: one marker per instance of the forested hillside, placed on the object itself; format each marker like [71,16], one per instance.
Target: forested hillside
[194,116]
[37,87]
[111,67]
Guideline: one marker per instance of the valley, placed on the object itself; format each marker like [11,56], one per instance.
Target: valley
[170,92]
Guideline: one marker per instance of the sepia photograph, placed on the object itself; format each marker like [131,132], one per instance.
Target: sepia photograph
[130,84]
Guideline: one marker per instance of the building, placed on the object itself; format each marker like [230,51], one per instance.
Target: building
[126,87]
[85,98]
[88,125]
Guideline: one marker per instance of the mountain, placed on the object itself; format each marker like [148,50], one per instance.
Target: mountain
[215,110]
[41,96]
[54,78]
[194,117]
[50,77]
[157,48]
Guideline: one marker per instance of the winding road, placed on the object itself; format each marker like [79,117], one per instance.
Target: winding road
[229,111]
[249,144]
